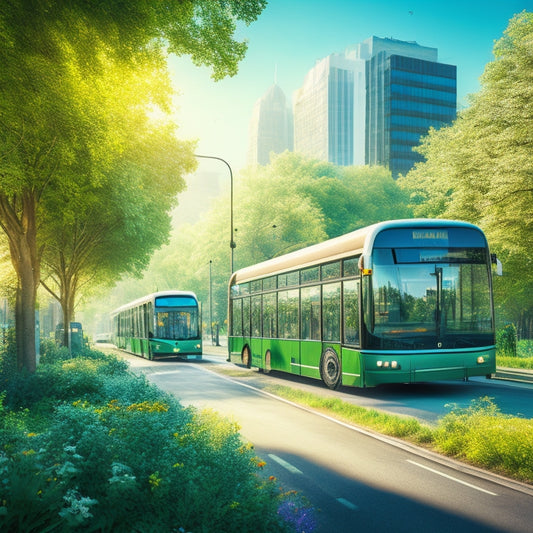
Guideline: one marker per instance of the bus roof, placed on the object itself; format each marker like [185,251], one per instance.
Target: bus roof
[354,243]
[151,298]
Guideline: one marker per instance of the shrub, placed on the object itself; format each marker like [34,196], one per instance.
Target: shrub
[506,341]
[112,452]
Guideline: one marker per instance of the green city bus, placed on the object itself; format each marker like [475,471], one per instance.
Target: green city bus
[162,324]
[402,301]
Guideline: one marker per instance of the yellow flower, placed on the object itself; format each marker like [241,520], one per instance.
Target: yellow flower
[154,480]
[32,434]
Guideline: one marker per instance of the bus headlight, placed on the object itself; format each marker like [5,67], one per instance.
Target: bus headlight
[388,364]
[198,346]
[480,360]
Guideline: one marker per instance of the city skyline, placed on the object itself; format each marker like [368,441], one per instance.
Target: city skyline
[282,51]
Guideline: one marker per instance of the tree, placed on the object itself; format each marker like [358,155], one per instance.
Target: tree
[289,204]
[480,169]
[107,232]
[48,127]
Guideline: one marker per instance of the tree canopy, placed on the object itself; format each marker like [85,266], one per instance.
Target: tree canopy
[480,169]
[289,204]
[71,125]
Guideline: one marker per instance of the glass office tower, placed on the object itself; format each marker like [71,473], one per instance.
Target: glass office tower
[270,129]
[405,97]
[329,109]
[371,104]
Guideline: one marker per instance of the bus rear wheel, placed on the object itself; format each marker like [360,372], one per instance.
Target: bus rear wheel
[330,369]
[268,366]
[246,357]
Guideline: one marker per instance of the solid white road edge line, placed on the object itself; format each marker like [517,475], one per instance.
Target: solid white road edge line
[451,478]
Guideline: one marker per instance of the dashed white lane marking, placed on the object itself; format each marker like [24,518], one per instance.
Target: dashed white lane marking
[284,464]
[348,504]
[452,478]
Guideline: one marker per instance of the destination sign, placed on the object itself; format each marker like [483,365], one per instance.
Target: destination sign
[430,235]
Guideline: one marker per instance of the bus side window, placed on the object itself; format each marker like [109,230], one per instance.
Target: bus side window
[256,316]
[236,319]
[351,311]
[270,311]
[246,317]
[331,312]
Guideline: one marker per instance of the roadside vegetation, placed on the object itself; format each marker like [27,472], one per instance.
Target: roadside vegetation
[511,352]
[522,359]
[480,434]
[86,445]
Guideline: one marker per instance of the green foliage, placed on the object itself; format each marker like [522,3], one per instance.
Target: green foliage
[480,169]
[506,341]
[88,174]
[522,359]
[123,456]
[482,435]
[289,204]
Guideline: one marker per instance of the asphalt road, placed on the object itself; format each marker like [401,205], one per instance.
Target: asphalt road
[356,480]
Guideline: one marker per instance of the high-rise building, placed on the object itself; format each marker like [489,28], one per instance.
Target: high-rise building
[270,127]
[372,104]
[329,111]
[408,91]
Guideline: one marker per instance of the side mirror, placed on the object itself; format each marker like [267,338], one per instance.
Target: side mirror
[495,261]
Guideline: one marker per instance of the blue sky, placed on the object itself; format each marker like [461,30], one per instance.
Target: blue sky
[291,35]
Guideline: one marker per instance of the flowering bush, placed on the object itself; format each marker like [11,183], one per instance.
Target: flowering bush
[85,445]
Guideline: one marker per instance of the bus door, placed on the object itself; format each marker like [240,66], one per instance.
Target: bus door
[246,332]
[310,326]
[256,343]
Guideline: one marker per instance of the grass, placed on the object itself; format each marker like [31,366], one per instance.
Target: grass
[523,358]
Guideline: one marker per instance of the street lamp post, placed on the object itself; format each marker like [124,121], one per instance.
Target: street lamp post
[210,301]
[232,244]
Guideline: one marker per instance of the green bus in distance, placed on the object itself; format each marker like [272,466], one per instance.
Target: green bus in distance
[402,301]
[161,324]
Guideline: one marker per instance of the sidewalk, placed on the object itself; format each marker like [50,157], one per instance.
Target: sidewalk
[210,348]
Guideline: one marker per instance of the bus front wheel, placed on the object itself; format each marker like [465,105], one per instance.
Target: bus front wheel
[246,357]
[330,369]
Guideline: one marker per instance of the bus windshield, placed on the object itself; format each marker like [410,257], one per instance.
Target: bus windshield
[429,298]
[177,318]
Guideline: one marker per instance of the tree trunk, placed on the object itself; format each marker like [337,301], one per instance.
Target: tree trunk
[18,222]
[67,306]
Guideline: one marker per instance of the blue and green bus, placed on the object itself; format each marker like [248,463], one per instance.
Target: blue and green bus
[161,324]
[401,301]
